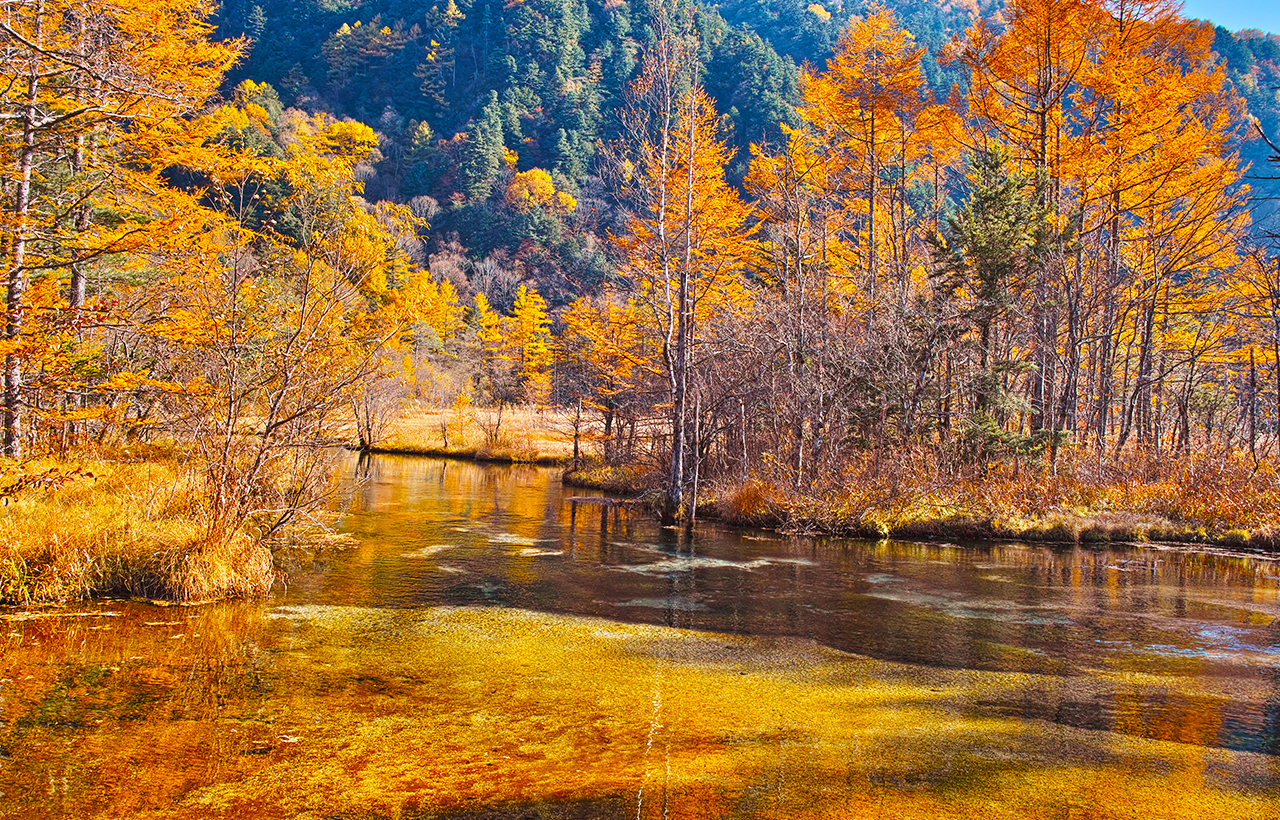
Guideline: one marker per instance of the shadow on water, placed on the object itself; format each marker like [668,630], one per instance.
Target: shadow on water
[452,533]
[488,648]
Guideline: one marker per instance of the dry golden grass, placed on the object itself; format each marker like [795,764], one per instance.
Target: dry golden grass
[621,479]
[752,502]
[1138,496]
[523,434]
[131,527]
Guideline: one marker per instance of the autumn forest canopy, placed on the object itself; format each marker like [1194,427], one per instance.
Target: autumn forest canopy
[797,250]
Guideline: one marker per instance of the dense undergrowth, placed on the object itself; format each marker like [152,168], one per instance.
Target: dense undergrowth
[1219,498]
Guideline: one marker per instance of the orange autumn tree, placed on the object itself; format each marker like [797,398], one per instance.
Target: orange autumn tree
[1021,83]
[809,259]
[272,335]
[866,106]
[687,236]
[94,107]
[1172,204]
[515,352]
[845,236]
[1023,91]
[609,363]
[527,345]
[1122,122]
[1255,306]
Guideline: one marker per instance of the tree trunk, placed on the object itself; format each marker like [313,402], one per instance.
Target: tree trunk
[17,276]
[1253,408]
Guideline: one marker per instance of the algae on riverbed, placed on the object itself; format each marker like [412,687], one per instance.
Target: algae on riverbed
[1103,683]
[324,711]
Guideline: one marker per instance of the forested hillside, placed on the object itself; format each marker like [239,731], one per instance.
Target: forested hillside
[464,93]
[1252,61]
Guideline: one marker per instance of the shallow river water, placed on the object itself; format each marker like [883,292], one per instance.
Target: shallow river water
[490,645]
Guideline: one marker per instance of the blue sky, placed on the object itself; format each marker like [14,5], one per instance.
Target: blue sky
[1237,14]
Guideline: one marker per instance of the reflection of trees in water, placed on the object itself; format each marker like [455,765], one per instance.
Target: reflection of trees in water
[1271,709]
[368,472]
[1041,609]
[1063,563]
[1151,710]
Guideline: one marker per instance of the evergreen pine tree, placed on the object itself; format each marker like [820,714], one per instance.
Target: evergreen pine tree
[482,158]
[987,251]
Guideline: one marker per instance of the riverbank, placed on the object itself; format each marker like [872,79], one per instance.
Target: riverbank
[117,524]
[1223,502]
[130,523]
[498,455]
[510,435]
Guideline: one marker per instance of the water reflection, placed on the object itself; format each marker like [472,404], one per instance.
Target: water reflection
[514,537]
[441,666]
[434,532]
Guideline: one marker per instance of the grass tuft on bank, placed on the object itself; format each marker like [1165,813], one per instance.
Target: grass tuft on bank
[128,524]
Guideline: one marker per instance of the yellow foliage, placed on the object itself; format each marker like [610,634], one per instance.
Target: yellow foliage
[535,188]
[692,226]
[527,344]
[488,323]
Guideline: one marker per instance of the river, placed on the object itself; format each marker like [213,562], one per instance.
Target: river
[490,645]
